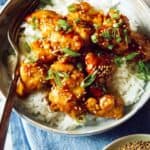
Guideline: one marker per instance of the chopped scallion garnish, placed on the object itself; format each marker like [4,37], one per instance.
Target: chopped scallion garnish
[131,56]
[72,8]
[96,26]
[70,52]
[94,38]
[56,76]
[143,71]
[116,25]
[57,79]
[88,80]
[115,16]
[118,39]
[118,61]
[34,22]
[63,24]
[127,39]
[26,47]
[79,66]
[106,34]
[110,47]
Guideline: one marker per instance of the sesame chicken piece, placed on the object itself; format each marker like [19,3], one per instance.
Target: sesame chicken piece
[32,77]
[85,30]
[142,45]
[64,101]
[84,19]
[84,12]
[62,67]
[69,40]
[67,96]
[103,65]
[44,20]
[107,106]
[114,33]
[56,30]
[43,50]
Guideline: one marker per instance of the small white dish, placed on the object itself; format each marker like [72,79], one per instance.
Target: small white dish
[123,140]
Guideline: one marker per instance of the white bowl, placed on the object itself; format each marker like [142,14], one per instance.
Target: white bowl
[129,8]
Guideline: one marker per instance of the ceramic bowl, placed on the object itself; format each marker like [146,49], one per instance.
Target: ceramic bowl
[129,8]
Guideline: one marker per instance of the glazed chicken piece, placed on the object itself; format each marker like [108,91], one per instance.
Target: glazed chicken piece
[103,65]
[56,30]
[84,19]
[44,20]
[85,12]
[32,77]
[67,95]
[142,45]
[114,33]
[43,51]
[107,106]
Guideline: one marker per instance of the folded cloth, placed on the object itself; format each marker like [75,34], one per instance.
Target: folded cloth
[2,2]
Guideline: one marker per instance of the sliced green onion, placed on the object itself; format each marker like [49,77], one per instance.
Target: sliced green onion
[127,39]
[118,61]
[141,66]
[94,38]
[26,47]
[114,32]
[31,58]
[49,75]
[56,76]
[63,74]
[96,26]
[143,76]
[34,23]
[88,80]
[63,24]
[143,71]
[77,20]
[116,25]
[110,47]
[72,8]
[57,79]
[118,39]
[131,56]
[106,34]
[79,66]
[115,16]
[70,52]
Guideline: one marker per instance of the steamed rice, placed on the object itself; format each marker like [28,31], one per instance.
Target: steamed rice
[124,81]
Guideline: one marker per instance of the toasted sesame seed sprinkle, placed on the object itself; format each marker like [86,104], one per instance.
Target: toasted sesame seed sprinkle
[137,145]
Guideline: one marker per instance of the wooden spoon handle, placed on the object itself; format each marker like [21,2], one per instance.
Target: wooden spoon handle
[6,114]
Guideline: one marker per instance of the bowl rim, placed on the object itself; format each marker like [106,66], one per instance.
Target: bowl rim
[118,140]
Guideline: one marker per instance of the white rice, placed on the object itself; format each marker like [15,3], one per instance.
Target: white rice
[124,82]
[127,85]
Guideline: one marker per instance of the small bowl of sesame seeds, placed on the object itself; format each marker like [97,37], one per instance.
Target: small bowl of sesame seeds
[131,142]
